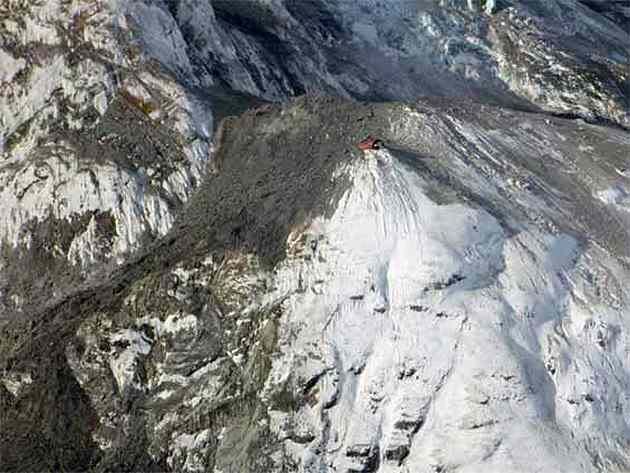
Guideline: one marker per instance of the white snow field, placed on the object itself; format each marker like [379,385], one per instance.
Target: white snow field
[437,341]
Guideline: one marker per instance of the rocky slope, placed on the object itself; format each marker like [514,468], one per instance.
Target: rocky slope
[452,303]
[99,147]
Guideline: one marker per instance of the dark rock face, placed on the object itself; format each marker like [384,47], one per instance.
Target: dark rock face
[48,428]
[34,273]
[616,10]
[408,49]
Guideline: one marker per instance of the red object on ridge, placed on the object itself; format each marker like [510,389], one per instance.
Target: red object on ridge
[370,143]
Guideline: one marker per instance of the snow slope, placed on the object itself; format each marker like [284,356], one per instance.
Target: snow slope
[438,340]
[99,149]
[436,337]
[62,74]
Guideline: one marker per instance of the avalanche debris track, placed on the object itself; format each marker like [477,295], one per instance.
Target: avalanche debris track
[474,269]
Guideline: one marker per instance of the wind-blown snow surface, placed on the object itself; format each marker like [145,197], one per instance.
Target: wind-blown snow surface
[437,340]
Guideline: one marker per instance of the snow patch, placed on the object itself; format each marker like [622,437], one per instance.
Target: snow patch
[128,347]
[16,382]
[616,195]
[9,66]
[187,451]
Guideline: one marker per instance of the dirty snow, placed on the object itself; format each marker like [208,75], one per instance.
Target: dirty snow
[128,346]
[15,382]
[187,451]
[9,66]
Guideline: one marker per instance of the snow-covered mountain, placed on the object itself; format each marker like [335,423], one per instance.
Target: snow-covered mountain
[180,292]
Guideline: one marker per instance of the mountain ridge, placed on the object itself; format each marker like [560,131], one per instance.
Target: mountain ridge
[181,291]
[205,275]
